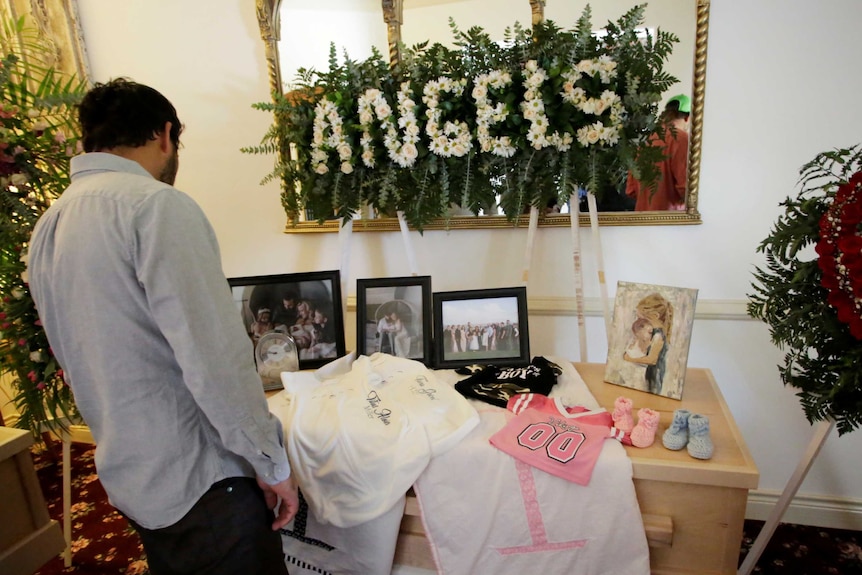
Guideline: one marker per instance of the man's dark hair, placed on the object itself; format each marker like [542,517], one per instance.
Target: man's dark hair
[671,111]
[124,113]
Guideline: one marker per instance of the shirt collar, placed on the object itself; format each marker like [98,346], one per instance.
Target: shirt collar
[96,162]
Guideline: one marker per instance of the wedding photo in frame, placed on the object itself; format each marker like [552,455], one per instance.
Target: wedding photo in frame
[481,326]
[393,315]
[650,337]
[305,306]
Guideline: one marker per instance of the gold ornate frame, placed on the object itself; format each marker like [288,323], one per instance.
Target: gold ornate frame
[270,30]
[57,21]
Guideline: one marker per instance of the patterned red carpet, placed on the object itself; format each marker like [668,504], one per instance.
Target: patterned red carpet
[104,544]
[102,541]
[805,550]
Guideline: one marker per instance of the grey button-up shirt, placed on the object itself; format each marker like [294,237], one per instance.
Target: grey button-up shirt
[126,274]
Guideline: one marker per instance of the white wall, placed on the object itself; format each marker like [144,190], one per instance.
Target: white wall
[781,87]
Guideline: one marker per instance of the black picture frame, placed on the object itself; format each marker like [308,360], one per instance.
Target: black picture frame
[409,299]
[456,312]
[318,342]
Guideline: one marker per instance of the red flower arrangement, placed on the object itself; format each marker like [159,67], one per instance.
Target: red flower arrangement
[840,251]
[813,306]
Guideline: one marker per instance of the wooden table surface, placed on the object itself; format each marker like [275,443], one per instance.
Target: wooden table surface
[731,464]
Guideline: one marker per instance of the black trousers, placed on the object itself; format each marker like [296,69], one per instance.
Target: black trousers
[227,532]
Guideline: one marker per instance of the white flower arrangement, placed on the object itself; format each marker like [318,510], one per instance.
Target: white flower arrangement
[326,116]
[454,139]
[481,124]
[533,108]
[488,115]
[372,103]
[597,132]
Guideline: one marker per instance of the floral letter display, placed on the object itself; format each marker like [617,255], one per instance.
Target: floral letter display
[522,122]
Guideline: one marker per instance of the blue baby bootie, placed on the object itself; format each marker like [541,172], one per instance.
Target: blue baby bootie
[699,441]
[676,436]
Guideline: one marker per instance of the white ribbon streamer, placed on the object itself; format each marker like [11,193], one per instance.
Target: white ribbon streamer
[531,238]
[345,234]
[575,220]
[408,244]
[600,262]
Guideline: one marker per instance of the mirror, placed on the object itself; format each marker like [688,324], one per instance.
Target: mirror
[297,34]
[58,21]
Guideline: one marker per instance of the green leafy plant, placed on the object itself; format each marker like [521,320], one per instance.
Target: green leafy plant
[813,261]
[522,123]
[37,138]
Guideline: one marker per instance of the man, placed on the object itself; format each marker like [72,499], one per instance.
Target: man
[669,191]
[286,313]
[385,327]
[126,274]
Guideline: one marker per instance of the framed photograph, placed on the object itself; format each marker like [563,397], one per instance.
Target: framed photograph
[481,326]
[650,336]
[393,315]
[304,307]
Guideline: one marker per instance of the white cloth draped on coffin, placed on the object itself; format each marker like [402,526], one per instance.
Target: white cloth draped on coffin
[357,441]
[485,512]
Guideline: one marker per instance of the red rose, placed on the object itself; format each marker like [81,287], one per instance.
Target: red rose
[851,215]
[846,313]
[823,248]
[850,244]
[844,192]
[851,260]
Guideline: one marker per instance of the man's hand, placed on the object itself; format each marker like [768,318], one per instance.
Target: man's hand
[286,491]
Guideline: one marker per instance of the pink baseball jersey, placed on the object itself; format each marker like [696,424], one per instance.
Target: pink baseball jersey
[545,434]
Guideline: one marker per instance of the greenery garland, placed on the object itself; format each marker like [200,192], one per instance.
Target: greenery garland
[809,298]
[38,136]
[521,123]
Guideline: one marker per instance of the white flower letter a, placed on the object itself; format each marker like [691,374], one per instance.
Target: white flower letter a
[327,118]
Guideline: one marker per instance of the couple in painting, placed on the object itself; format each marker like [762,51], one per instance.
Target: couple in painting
[651,338]
[393,336]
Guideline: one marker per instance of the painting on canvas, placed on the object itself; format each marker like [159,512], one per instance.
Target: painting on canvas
[650,336]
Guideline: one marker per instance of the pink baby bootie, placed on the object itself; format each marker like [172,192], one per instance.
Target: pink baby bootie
[643,435]
[623,414]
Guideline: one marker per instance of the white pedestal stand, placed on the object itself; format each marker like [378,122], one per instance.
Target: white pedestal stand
[821,432]
[67,498]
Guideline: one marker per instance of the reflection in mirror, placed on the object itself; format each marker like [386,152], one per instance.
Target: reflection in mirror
[299,34]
